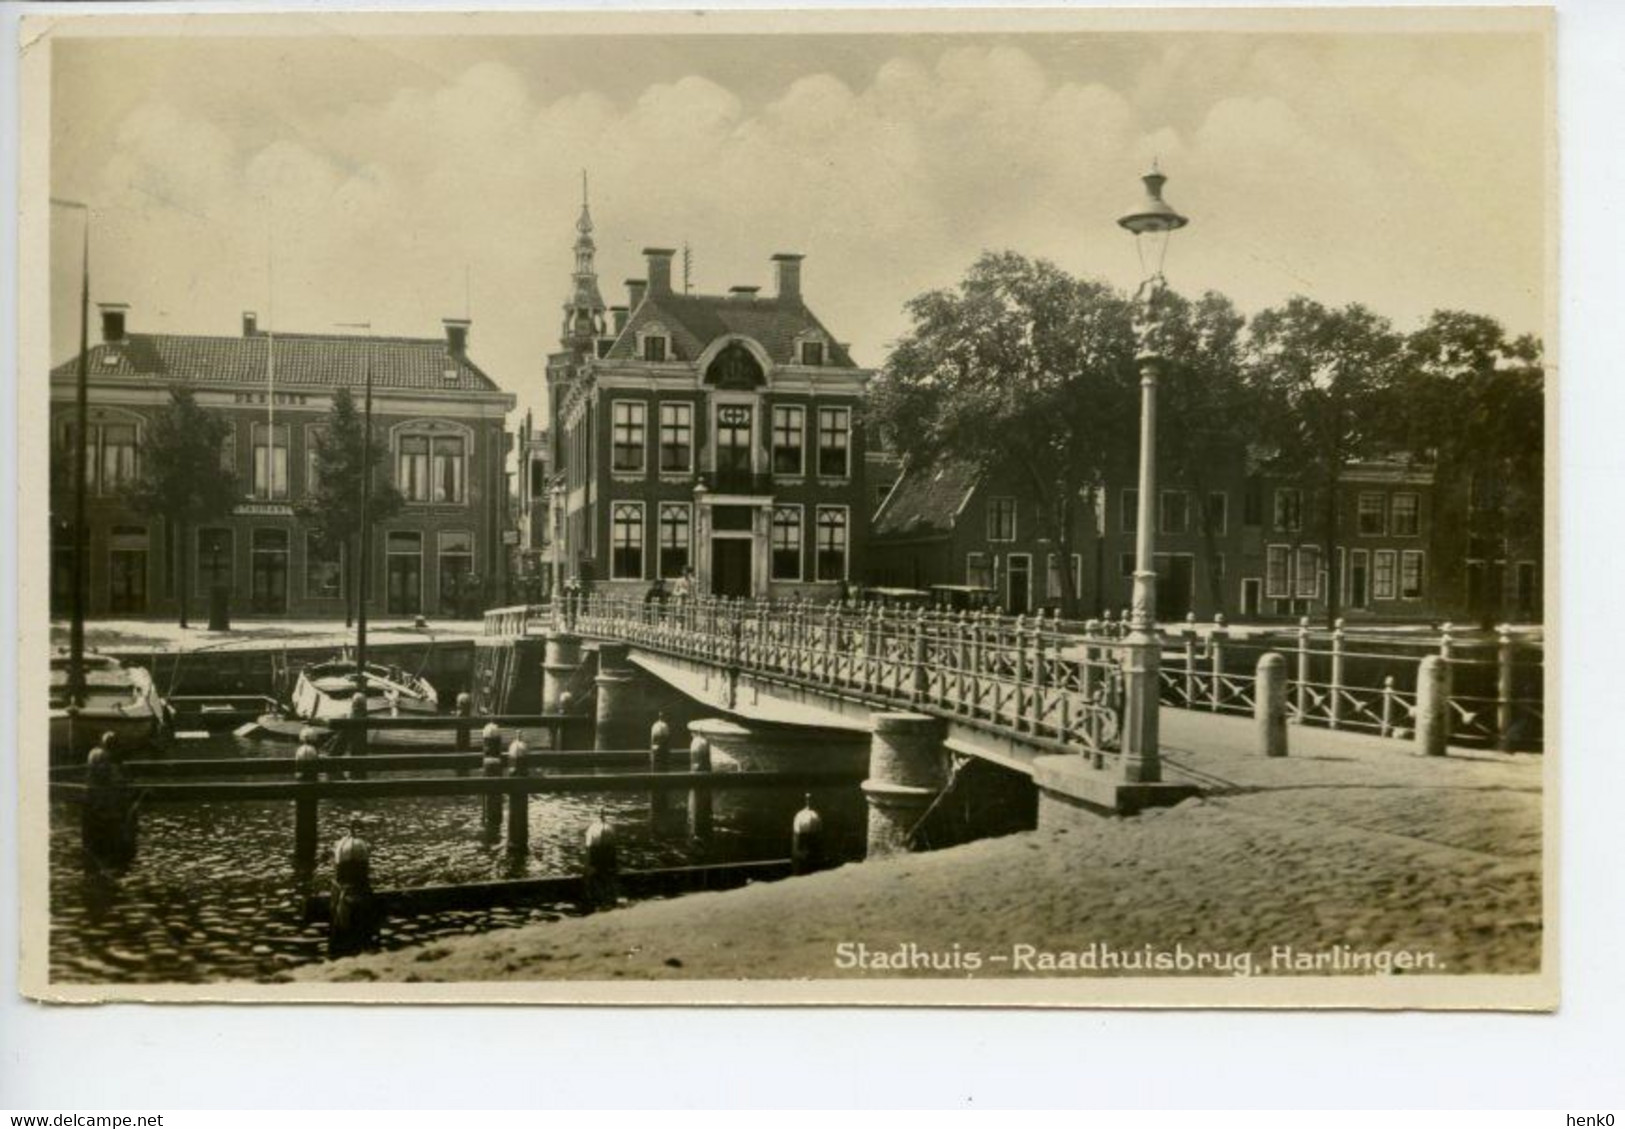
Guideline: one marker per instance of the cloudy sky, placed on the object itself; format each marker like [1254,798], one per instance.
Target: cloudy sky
[399,179]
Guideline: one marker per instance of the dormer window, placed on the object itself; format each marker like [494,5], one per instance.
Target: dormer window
[654,348]
[812,352]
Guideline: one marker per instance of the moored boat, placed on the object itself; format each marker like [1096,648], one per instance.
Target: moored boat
[324,692]
[119,699]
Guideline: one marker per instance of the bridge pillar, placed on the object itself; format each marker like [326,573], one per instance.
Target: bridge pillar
[561,660]
[613,728]
[908,767]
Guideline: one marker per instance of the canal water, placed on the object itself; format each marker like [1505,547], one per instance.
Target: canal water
[212,893]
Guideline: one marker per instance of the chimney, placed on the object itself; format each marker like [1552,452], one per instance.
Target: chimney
[251,323]
[659,269]
[619,314]
[788,267]
[113,321]
[635,288]
[743,293]
[456,335]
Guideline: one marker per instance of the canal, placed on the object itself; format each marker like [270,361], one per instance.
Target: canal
[212,893]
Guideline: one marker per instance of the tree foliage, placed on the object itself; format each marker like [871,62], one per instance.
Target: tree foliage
[180,478]
[332,502]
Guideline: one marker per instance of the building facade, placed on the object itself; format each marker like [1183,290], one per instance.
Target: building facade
[533,512]
[714,436]
[438,414]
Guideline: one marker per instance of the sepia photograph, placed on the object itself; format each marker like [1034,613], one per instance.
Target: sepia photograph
[1026,507]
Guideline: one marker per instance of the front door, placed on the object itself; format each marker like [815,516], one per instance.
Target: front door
[1020,578]
[269,579]
[730,566]
[1176,580]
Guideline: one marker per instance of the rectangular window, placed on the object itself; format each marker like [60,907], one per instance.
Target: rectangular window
[1001,519]
[654,348]
[626,541]
[1052,576]
[411,467]
[977,572]
[812,352]
[834,442]
[1128,520]
[1410,574]
[677,437]
[789,424]
[403,572]
[1373,514]
[1407,510]
[676,521]
[627,425]
[1173,512]
[1218,513]
[1308,578]
[832,530]
[214,564]
[228,451]
[118,458]
[1288,509]
[787,543]
[446,468]
[1277,572]
[270,462]
[1382,574]
[324,569]
[1358,582]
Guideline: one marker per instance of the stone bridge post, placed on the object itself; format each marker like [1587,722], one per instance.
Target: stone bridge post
[908,767]
[560,661]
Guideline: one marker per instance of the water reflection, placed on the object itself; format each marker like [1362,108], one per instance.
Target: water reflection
[213,895]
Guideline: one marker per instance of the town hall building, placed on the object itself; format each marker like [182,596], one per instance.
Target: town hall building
[714,436]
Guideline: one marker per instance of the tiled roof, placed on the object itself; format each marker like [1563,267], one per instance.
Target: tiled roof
[925,500]
[301,359]
[696,320]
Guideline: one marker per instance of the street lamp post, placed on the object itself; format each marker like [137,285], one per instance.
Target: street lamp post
[1151,224]
[81,399]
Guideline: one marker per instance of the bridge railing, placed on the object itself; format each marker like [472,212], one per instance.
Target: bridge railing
[1056,680]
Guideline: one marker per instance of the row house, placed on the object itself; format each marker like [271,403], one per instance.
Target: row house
[712,437]
[440,416]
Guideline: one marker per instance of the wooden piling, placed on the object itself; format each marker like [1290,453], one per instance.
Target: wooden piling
[518,802]
[700,804]
[306,770]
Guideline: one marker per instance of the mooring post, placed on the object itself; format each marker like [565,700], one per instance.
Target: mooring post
[602,865]
[1269,704]
[1190,660]
[518,800]
[306,770]
[700,800]
[1503,688]
[659,740]
[465,728]
[353,920]
[107,827]
[1433,706]
[490,767]
[907,768]
[807,840]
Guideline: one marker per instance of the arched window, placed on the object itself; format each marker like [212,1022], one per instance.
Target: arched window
[626,541]
[832,527]
[735,367]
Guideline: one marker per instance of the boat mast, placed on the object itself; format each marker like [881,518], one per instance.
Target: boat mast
[76,626]
[366,534]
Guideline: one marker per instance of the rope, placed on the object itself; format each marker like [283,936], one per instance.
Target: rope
[954,770]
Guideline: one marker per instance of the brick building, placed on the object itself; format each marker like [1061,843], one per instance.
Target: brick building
[533,513]
[717,433]
[440,416]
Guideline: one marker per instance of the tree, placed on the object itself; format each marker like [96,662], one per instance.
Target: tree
[180,478]
[1321,376]
[1205,406]
[332,503]
[1474,403]
[1020,367]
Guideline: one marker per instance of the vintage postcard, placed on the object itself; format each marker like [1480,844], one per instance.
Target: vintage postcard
[1043,508]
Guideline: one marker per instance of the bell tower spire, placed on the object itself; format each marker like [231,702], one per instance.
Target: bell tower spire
[584,312]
